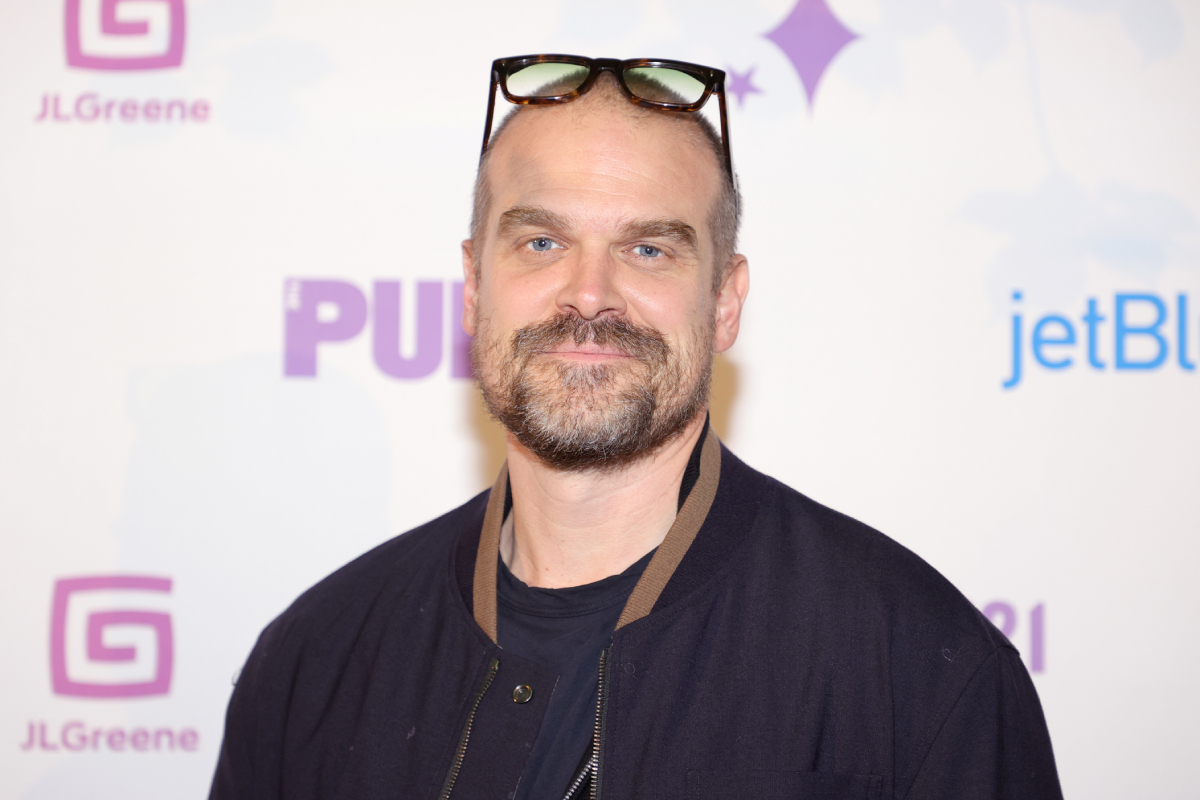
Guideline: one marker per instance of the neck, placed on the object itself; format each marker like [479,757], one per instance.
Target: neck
[572,528]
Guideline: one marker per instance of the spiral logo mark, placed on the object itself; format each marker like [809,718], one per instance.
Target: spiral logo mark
[98,36]
[89,636]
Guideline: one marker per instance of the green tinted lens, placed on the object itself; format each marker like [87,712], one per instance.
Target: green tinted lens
[663,85]
[546,79]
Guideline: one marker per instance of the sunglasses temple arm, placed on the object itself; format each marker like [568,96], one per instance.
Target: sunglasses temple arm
[487,126]
[725,132]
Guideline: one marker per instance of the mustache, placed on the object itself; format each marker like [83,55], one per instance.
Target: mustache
[644,343]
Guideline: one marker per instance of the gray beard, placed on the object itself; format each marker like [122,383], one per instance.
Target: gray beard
[593,416]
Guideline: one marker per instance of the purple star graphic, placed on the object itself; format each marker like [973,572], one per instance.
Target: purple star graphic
[741,84]
[810,37]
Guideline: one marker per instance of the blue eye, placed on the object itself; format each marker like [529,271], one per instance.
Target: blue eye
[542,244]
[647,251]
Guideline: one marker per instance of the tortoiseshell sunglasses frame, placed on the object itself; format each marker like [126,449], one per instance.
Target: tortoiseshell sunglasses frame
[713,80]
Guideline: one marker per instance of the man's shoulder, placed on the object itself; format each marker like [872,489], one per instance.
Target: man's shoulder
[851,548]
[861,569]
[410,562]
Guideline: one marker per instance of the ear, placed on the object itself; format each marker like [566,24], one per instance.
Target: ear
[470,286]
[730,299]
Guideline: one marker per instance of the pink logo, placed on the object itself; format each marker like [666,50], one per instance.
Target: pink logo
[121,43]
[65,626]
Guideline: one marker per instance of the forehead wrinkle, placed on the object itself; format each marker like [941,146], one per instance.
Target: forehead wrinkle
[570,191]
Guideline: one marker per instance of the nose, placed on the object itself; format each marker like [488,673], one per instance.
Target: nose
[590,288]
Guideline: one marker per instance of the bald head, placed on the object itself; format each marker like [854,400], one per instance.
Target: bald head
[603,134]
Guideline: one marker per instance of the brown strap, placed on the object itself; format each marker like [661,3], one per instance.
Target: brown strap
[658,572]
[679,538]
[484,599]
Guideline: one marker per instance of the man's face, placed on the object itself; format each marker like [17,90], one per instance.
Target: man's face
[591,297]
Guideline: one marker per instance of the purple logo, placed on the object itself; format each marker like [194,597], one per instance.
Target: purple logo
[1006,617]
[741,84]
[78,639]
[106,38]
[811,36]
[317,311]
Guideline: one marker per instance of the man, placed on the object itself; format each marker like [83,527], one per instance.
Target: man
[630,611]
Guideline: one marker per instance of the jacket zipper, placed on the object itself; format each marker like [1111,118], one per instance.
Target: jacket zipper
[461,753]
[601,716]
[582,776]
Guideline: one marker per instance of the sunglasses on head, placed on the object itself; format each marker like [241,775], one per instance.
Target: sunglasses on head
[649,82]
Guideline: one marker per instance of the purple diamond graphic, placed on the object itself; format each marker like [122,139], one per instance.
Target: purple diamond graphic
[741,84]
[810,37]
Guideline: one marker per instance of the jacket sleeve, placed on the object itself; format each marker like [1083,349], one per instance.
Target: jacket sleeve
[248,766]
[993,744]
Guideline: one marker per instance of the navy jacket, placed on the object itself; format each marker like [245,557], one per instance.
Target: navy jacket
[794,653]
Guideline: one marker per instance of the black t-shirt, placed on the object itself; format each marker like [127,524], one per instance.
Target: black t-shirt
[565,630]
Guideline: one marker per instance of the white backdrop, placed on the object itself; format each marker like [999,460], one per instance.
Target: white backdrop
[175,194]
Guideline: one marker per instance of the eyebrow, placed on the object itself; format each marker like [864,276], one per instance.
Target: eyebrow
[676,230]
[529,217]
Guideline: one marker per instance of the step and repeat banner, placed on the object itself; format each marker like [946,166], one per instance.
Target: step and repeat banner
[230,294]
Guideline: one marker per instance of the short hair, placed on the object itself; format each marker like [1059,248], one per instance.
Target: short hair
[725,215]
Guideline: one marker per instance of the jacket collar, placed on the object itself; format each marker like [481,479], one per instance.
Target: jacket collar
[694,556]
[658,572]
